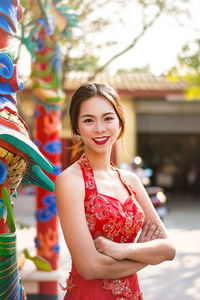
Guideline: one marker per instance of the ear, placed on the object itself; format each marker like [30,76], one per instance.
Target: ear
[77,131]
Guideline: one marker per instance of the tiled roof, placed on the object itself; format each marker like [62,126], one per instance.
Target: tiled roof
[126,83]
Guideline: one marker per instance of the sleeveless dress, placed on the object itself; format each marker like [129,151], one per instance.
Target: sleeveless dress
[107,217]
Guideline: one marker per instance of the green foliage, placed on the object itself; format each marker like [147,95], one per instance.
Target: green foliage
[87,63]
[188,69]
[79,45]
[144,69]
[189,58]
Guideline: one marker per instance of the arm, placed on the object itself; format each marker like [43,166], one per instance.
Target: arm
[153,246]
[152,252]
[88,261]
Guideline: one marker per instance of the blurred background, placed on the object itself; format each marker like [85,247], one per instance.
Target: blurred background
[150,52]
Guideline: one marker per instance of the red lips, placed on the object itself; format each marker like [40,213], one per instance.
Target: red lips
[101,140]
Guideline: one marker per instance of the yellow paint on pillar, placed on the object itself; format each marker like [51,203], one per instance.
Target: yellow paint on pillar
[126,147]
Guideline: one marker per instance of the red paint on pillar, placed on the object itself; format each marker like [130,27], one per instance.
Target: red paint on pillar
[47,130]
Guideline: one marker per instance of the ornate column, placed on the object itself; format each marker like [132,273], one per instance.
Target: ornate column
[20,159]
[50,21]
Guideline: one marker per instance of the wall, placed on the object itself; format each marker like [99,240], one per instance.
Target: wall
[126,149]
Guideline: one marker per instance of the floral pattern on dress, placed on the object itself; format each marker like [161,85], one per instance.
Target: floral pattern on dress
[69,284]
[108,217]
[120,288]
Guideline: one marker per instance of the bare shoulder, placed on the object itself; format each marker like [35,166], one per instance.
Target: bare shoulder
[71,173]
[132,178]
[69,180]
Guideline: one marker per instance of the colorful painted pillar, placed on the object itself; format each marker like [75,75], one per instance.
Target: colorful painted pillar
[20,159]
[47,138]
[50,20]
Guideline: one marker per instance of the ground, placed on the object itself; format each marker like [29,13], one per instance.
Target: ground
[178,279]
[175,280]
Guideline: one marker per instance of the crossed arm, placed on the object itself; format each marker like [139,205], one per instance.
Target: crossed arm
[151,247]
[104,263]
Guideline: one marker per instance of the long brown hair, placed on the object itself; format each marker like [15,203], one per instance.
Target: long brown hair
[85,92]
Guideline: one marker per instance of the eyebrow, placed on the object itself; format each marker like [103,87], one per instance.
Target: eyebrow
[92,116]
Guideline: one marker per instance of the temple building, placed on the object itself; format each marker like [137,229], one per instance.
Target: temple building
[162,127]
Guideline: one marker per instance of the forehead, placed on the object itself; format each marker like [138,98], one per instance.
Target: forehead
[96,105]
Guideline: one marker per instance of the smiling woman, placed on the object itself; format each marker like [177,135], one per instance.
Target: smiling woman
[105,94]
[100,212]
[98,124]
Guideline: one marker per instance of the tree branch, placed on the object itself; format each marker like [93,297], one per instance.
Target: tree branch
[135,40]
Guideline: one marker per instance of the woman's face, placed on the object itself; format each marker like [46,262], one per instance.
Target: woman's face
[98,124]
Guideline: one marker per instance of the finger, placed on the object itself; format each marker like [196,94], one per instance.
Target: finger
[144,231]
[99,238]
[97,244]
[150,233]
[156,234]
[145,227]
[161,236]
[141,238]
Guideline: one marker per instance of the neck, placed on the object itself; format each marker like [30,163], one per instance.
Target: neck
[99,161]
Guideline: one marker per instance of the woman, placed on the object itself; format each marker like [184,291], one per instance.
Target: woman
[102,209]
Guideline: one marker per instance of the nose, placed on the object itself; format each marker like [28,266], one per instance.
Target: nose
[99,126]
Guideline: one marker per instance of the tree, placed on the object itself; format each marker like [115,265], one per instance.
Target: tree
[82,51]
[144,69]
[188,68]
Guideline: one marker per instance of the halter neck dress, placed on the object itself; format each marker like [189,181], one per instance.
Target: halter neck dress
[107,216]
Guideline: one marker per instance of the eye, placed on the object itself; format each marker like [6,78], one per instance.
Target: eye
[88,120]
[109,119]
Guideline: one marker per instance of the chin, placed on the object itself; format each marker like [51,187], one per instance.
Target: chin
[98,149]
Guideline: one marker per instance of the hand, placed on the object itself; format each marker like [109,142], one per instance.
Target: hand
[109,248]
[150,231]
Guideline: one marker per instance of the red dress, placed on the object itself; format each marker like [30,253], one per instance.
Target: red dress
[118,222]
